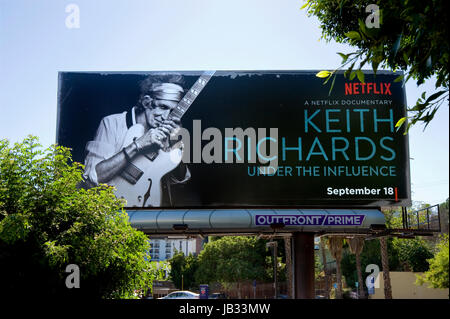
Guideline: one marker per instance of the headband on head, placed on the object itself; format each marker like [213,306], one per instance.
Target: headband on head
[167,91]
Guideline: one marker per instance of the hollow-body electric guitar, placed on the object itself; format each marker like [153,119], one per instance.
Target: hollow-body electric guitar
[140,182]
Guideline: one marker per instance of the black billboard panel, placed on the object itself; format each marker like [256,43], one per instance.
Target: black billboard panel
[238,138]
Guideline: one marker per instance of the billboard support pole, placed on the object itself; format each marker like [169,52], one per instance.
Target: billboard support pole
[304,265]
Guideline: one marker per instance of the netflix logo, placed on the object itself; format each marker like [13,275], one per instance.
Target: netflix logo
[368,88]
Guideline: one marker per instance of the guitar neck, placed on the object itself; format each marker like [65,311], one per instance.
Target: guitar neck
[191,95]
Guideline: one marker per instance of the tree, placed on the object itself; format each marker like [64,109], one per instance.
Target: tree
[288,255]
[445,204]
[183,270]
[413,253]
[371,254]
[385,265]
[437,275]
[335,244]
[177,263]
[47,223]
[326,269]
[232,259]
[356,245]
[411,36]
[443,210]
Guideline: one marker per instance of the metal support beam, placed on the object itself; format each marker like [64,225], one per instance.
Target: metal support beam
[304,265]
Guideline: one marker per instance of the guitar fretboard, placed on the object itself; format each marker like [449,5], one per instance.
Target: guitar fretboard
[191,95]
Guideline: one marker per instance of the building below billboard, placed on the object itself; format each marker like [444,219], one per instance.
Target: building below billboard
[164,248]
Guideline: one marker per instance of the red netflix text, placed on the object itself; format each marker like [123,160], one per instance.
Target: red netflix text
[368,88]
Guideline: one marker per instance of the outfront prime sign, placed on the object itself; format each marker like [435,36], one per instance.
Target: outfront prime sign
[310,220]
[238,138]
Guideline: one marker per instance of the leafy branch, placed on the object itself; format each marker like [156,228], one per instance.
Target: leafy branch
[411,37]
[349,72]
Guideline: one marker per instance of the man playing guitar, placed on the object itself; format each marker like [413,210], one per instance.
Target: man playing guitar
[108,156]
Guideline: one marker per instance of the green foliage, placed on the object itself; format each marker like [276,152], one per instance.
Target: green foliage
[413,253]
[348,266]
[177,263]
[393,217]
[281,269]
[370,255]
[183,271]
[318,266]
[160,270]
[47,222]
[417,216]
[412,37]
[445,204]
[231,259]
[437,275]
[404,255]
[227,260]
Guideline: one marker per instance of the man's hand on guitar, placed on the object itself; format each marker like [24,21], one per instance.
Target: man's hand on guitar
[159,136]
[170,127]
[150,138]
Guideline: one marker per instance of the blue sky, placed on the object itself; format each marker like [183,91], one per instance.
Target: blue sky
[138,35]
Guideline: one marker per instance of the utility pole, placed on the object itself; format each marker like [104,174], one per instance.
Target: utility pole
[182,277]
[304,265]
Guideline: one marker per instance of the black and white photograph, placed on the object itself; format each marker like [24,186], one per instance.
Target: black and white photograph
[131,150]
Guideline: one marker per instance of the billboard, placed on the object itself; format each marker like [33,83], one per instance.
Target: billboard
[238,138]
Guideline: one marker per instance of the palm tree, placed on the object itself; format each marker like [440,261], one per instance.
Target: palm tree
[385,264]
[335,246]
[287,248]
[325,268]
[356,246]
